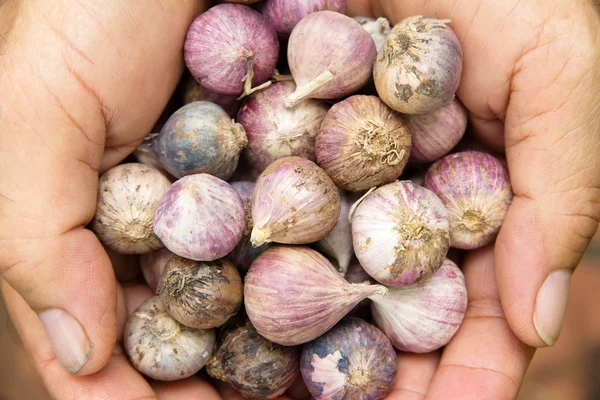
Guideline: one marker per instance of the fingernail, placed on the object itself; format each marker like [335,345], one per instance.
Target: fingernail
[70,343]
[551,304]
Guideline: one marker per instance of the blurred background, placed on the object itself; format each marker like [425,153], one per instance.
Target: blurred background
[568,371]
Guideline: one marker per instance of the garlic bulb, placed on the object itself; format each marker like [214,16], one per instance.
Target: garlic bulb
[128,196]
[419,67]
[293,294]
[354,360]
[401,233]
[161,348]
[423,317]
[294,202]
[378,29]
[153,264]
[200,217]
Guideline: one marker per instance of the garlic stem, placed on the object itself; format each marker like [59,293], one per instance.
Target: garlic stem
[259,236]
[303,91]
[277,77]
[248,89]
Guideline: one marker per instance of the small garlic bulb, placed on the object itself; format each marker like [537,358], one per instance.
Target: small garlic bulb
[128,196]
[163,349]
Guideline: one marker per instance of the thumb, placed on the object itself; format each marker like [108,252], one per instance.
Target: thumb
[552,138]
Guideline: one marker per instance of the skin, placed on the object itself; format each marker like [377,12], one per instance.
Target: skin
[82,84]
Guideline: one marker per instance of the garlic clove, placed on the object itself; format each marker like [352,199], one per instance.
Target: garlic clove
[293,294]
[423,317]
[161,348]
[294,202]
[128,196]
[400,233]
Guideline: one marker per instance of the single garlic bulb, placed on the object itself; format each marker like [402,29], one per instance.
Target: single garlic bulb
[423,317]
[161,348]
[128,196]
[420,65]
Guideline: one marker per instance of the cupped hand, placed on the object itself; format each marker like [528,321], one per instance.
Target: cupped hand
[82,84]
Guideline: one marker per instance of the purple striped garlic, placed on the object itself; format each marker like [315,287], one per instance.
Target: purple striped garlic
[338,243]
[401,233]
[423,317]
[192,91]
[330,56]
[419,67]
[294,202]
[354,360]
[200,217]
[284,15]
[153,264]
[475,189]
[293,294]
[435,133]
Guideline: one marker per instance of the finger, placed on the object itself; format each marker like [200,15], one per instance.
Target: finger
[190,388]
[126,266]
[76,77]
[484,360]
[118,380]
[414,375]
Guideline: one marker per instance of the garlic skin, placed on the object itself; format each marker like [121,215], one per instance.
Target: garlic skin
[330,56]
[357,274]
[435,133]
[161,348]
[293,294]
[244,253]
[419,67]
[275,131]
[153,264]
[378,28]
[200,217]
[354,360]
[144,155]
[128,196]
[200,294]
[200,138]
[231,48]
[192,91]
[252,365]
[423,317]
[284,15]
[475,189]
[401,233]
[338,242]
[362,143]
[294,202]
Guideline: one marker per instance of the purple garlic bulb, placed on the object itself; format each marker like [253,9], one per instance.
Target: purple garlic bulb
[230,48]
[192,91]
[161,348]
[285,14]
[293,294]
[419,67]
[275,131]
[252,365]
[244,253]
[423,317]
[354,360]
[435,133]
[200,138]
[401,233]
[362,143]
[475,189]
[200,217]
[330,56]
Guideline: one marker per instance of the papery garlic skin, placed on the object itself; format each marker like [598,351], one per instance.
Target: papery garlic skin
[435,133]
[354,360]
[293,295]
[200,217]
[378,28]
[161,348]
[252,365]
[475,189]
[153,264]
[275,131]
[424,317]
[419,67]
[294,202]
[338,242]
[362,143]
[330,56]
[128,196]
[400,233]
[284,15]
